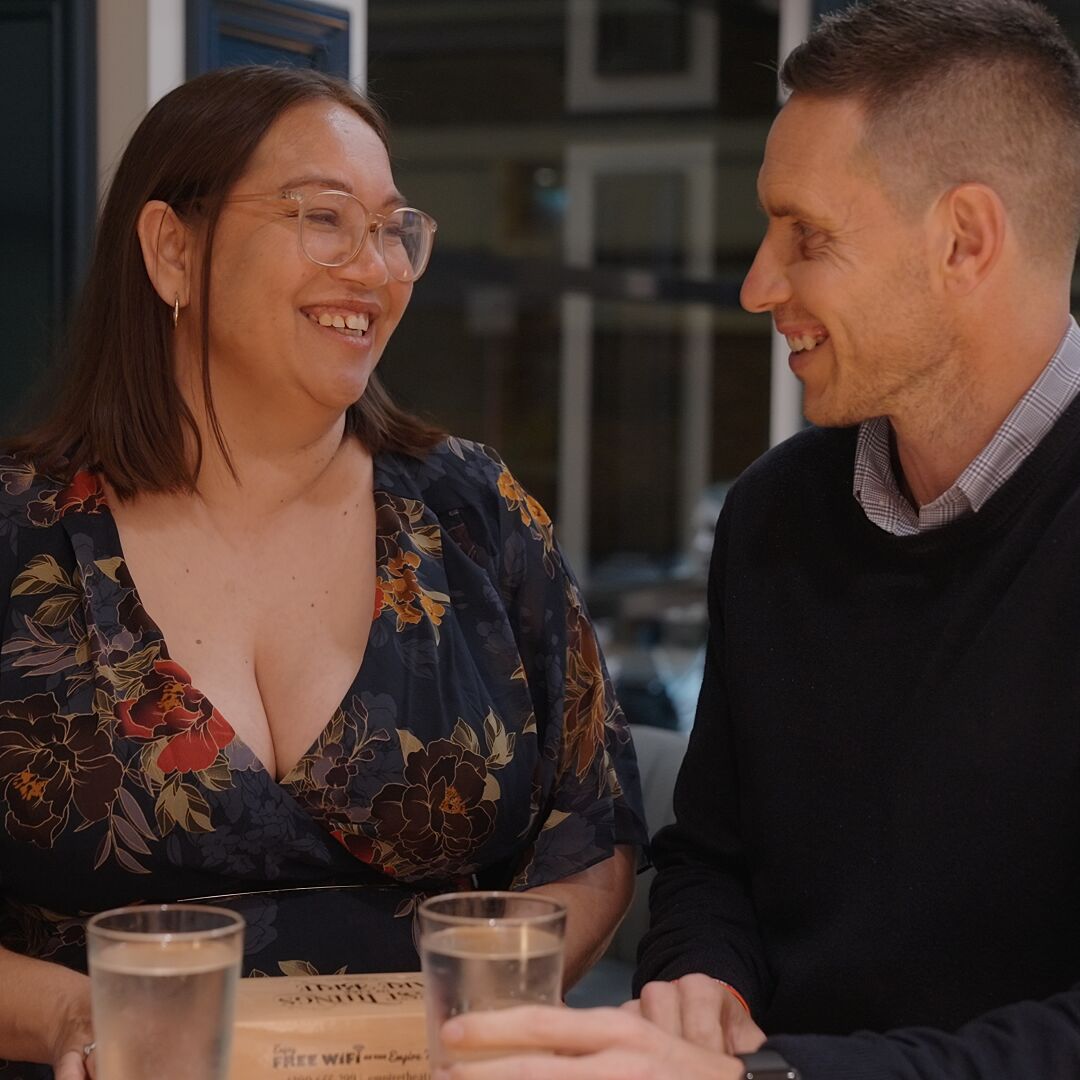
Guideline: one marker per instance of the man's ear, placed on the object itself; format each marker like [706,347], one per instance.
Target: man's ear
[975,223]
[168,248]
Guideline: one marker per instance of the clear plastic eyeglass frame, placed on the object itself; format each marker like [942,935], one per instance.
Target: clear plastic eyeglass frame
[327,237]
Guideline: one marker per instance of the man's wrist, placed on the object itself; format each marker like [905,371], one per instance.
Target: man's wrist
[736,995]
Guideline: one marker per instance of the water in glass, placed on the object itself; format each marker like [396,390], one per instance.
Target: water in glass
[469,968]
[163,1010]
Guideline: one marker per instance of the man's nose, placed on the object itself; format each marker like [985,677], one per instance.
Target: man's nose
[766,285]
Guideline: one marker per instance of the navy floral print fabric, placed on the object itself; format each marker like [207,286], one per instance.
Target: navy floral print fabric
[480,743]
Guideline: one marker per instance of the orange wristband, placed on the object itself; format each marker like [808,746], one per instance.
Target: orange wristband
[736,995]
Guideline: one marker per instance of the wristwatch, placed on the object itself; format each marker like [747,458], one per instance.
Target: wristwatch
[767,1065]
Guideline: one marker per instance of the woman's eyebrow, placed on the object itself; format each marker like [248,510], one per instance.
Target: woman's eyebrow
[308,180]
[336,183]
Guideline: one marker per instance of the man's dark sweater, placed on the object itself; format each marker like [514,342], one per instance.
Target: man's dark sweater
[878,819]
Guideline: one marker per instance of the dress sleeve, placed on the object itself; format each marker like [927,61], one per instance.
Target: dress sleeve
[587,791]
[9,542]
[9,567]
[701,915]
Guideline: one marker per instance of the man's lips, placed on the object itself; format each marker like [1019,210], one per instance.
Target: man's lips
[803,338]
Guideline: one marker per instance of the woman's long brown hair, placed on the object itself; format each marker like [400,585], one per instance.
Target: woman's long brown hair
[119,411]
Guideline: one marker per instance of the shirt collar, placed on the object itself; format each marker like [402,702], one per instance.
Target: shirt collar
[875,485]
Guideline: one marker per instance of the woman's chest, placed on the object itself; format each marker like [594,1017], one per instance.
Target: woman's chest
[169,640]
[272,630]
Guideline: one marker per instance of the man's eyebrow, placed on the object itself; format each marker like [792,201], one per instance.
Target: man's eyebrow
[777,210]
[789,210]
[336,183]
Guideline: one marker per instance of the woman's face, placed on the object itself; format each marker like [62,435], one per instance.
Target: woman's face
[267,344]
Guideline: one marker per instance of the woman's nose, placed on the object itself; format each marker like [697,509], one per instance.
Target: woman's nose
[367,267]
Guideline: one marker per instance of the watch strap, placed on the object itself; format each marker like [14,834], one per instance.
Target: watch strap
[767,1065]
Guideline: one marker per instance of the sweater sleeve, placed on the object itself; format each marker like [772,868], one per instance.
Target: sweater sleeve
[702,919]
[1024,1041]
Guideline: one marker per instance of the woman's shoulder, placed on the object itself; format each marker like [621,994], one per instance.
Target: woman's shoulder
[456,469]
[37,498]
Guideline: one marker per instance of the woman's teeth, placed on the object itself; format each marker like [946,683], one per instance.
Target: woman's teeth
[803,342]
[352,321]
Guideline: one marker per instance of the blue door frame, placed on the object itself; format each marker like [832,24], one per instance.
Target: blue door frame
[222,33]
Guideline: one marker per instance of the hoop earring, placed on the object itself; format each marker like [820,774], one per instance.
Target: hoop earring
[176,311]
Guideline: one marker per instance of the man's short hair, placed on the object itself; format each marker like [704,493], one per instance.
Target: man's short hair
[961,91]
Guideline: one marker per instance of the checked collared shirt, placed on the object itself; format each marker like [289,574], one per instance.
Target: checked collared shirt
[875,485]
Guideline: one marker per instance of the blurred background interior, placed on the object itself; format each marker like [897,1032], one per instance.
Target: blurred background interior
[592,166]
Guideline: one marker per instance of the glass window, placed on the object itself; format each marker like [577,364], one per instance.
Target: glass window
[592,166]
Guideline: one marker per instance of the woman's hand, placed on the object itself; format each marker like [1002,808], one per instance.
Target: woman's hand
[72,1065]
[701,1010]
[45,1015]
[541,1042]
[73,1034]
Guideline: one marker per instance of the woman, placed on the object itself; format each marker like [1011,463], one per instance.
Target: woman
[195,699]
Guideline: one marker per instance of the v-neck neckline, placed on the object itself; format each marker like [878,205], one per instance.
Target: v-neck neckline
[116,549]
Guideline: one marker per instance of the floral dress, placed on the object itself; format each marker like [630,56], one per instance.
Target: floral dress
[479,745]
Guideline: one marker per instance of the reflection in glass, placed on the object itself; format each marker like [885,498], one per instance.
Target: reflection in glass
[580,312]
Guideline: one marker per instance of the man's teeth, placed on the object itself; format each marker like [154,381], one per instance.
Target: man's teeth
[343,322]
[803,342]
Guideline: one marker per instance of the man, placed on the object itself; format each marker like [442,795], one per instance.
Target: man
[878,819]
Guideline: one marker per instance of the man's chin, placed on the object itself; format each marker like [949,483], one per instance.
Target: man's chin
[822,412]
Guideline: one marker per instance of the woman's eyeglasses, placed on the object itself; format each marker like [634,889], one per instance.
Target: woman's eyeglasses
[333,227]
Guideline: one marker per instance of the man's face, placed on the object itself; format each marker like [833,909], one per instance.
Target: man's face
[845,274]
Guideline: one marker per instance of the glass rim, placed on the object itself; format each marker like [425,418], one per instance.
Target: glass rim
[426,236]
[235,922]
[556,912]
[304,200]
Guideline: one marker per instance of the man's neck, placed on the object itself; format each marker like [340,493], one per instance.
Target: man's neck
[928,469]
[936,439]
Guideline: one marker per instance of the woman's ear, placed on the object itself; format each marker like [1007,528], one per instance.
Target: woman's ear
[168,251]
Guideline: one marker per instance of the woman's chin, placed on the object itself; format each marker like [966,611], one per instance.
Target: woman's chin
[343,392]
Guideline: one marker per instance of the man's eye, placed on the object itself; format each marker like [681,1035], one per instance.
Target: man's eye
[807,236]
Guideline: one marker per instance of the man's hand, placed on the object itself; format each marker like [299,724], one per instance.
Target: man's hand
[701,1010]
[590,1044]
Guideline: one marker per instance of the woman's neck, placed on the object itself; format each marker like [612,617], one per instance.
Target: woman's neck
[276,455]
[265,476]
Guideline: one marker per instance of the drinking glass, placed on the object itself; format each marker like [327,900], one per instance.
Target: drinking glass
[487,950]
[162,983]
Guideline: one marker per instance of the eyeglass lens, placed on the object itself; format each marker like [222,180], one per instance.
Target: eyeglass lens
[334,226]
